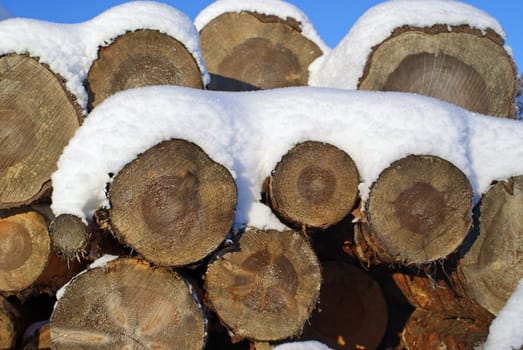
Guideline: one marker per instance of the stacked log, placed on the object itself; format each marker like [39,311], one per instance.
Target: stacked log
[261,52]
[141,58]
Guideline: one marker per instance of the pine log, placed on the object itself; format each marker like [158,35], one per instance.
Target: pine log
[352,310]
[494,264]
[141,58]
[265,288]
[173,204]
[251,51]
[315,184]
[457,64]
[38,116]
[419,210]
[25,247]
[427,330]
[127,304]
[11,324]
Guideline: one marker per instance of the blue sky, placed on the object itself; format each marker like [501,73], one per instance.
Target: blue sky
[332,19]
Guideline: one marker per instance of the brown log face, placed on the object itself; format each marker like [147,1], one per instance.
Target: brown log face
[443,77]
[419,209]
[463,66]
[127,305]
[69,236]
[10,325]
[352,310]
[141,58]
[267,289]
[173,204]
[249,51]
[493,266]
[315,184]
[37,119]
[24,250]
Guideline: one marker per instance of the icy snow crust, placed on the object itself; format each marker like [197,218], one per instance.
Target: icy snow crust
[249,132]
[343,66]
[70,49]
[302,345]
[266,7]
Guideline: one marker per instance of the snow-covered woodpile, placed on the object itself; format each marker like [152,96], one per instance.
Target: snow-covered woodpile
[151,199]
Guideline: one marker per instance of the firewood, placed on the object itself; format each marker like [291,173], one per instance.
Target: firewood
[38,116]
[315,184]
[493,266]
[37,336]
[251,51]
[24,250]
[265,288]
[352,310]
[11,324]
[457,64]
[173,204]
[69,236]
[141,58]
[126,304]
[419,210]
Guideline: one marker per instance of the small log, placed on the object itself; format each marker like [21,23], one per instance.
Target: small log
[126,304]
[38,116]
[352,312]
[69,236]
[173,204]
[11,324]
[494,264]
[457,64]
[24,250]
[432,330]
[266,289]
[251,51]
[419,210]
[37,337]
[315,184]
[141,58]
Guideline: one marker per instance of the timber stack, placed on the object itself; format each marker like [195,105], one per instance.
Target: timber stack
[415,264]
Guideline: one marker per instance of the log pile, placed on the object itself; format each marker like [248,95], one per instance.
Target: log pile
[405,268]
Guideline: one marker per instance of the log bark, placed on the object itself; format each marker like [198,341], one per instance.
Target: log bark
[494,264]
[251,51]
[315,184]
[457,64]
[419,210]
[173,204]
[141,58]
[265,288]
[38,116]
[25,247]
[126,304]
[352,310]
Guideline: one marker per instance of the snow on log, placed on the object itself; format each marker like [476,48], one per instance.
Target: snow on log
[127,303]
[352,310]
[266,288]
[141,58]
[448,50]
[493,265]
[257,44]
[38,117]
[172,204]
[315,184]
[419,210]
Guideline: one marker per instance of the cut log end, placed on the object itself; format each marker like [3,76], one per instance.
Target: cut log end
[315,184]
[127,304]
[419,210]
[493,266]
[24,250]
[69,236]
[141,58]
[38,116]
[267,289]
[262,52]
[463,66]
[173,198]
